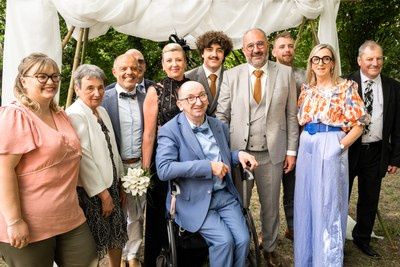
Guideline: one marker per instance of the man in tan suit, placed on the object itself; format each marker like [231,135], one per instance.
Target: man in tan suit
[258,101]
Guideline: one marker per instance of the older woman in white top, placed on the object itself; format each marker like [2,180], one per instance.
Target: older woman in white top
[100,167]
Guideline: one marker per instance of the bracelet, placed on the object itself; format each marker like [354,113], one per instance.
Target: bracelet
[14,222]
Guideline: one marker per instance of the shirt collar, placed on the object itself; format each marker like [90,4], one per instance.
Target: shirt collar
[364,78]
[252,68]
[120,89]
[192,125]
[208,72]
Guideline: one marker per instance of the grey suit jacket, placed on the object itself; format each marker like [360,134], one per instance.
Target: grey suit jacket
[110,103]
[281,108]
[198,74]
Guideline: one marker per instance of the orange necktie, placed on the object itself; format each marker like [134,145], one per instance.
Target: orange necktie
[213,85]
[257,86]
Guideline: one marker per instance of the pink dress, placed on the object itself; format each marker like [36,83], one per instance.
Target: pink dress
[47,172]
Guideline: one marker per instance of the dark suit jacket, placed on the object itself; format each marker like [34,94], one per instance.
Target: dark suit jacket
[391,125]
[147,84]
[110,103]
[198,74]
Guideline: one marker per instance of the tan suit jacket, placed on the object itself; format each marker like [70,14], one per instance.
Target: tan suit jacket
[281,108]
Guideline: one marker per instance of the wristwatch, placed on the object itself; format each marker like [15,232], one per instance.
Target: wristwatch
[341,146]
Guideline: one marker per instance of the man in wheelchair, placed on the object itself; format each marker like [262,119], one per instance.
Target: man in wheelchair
[193,151]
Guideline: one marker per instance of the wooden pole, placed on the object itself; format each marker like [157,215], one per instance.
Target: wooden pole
[301,27]
[84,46]
[314,32]
[383,226]
[74,66]
[67,37]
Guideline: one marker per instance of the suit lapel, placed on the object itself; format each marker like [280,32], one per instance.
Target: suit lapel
[189,136]
[270,87]
[219,137]
[114,113]
[244,88]
[386,95]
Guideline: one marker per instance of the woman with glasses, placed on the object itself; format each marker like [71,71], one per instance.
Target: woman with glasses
[41,221]
[101,166]
[158,108]
[333,116]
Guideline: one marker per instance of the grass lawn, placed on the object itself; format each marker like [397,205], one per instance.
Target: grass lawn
[389,207]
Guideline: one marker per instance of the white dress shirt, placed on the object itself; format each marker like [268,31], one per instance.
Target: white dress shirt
[376,126]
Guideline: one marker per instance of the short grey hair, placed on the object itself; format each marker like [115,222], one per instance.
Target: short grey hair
[88,70]
[369,43]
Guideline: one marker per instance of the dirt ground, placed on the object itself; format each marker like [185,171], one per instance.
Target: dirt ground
[390,210]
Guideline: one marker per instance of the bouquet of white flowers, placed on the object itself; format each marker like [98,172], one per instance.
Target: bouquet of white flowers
[136,181]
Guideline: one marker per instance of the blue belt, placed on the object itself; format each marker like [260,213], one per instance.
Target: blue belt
[313,128]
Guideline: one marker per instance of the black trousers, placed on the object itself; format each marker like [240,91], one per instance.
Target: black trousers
[369,187]
[156,236]
[288,182]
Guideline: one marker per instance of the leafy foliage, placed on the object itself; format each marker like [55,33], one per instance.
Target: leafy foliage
[358,20]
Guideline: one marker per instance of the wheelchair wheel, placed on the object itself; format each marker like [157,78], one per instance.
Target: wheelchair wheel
[254,256]
[173,257]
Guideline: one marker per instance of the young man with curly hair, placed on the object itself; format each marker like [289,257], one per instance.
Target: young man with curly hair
[213,47]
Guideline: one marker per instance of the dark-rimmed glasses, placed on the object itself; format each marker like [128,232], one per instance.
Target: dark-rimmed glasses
[43,77]
[259,44]
[193,99]
[325,59]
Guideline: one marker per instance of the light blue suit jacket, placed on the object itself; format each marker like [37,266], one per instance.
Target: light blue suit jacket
[180,157]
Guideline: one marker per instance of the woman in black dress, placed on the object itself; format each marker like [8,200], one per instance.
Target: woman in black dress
[158,108]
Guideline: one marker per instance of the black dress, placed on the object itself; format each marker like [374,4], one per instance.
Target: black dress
[107,232]
[156,229]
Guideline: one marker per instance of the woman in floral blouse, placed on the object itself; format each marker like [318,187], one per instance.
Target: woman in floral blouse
[333,116]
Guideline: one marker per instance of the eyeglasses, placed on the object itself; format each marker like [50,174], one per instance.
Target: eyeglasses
[259,44]
[43,77]
[193,99]
[325,59]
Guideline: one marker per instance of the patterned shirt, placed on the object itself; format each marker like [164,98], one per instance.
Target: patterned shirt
[340,106]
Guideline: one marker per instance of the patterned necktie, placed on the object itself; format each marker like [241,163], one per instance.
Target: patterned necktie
[213,84]
[368,100]
[257,86]
[127,95]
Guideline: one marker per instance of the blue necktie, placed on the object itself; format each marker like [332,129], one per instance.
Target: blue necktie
[203,130]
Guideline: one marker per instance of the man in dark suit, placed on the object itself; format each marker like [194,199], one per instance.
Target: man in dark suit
[124,104]
[213,47]
[377,151]
[143,84]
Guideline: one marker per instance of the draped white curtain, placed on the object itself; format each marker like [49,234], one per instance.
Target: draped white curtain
[33,25]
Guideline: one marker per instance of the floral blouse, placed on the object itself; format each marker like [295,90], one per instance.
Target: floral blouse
[340,106]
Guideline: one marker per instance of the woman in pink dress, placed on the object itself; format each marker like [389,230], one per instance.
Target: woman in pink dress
[41,221]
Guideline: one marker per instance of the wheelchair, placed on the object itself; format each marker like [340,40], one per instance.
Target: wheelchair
[181,241]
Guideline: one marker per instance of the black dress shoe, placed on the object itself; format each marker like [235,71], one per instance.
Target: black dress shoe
[367,249]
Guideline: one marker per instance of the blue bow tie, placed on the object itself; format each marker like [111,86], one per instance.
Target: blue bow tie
[127,95]
[203,130]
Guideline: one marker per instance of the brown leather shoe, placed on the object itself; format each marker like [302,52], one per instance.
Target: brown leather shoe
[289,234]
[272,259]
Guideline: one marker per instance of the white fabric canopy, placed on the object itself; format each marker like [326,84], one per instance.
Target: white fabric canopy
[33,25]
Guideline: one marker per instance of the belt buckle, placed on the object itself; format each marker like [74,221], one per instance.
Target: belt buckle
[311,128]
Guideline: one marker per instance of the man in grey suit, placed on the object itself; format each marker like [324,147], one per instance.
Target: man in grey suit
[124,104]
[283,51]
[258,101]
[213,47]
